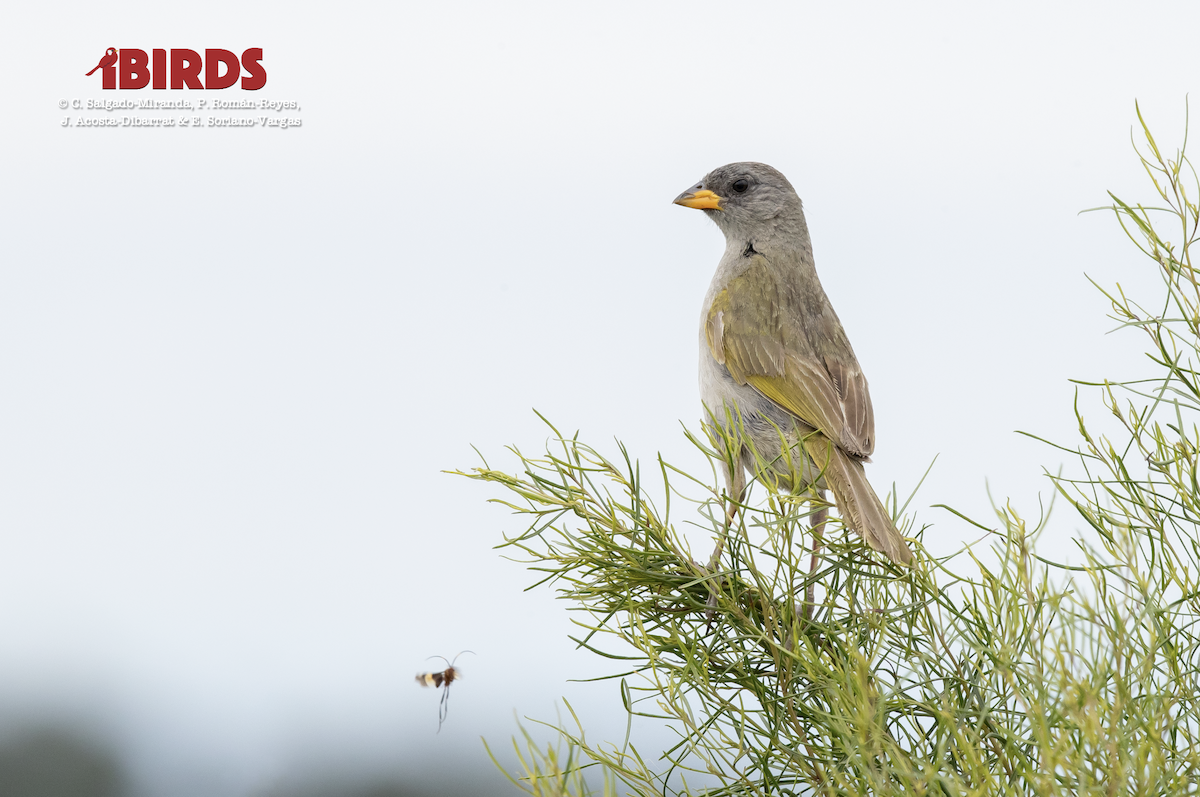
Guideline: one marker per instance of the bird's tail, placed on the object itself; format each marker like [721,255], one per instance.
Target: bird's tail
[89,74]
[857,502]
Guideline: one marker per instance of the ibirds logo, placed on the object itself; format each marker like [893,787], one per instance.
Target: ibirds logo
[130,68]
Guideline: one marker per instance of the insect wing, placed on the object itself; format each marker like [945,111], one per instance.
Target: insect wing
[434,679]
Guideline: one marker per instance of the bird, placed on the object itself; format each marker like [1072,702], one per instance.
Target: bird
[777,371]
[108,59]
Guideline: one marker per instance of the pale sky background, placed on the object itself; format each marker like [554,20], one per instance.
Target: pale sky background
[235,362]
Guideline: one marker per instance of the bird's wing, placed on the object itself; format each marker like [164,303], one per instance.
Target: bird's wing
[748,332]
[858,434]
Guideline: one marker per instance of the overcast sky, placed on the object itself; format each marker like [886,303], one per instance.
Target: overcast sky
[236,362]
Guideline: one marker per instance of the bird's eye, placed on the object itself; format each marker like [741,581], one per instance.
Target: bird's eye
[740,186]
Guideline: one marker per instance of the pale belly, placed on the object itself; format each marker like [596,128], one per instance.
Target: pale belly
[768,436]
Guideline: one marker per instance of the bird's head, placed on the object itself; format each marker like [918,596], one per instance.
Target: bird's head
[744,199]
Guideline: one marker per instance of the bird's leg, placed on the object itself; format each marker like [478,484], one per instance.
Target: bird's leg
[817,522]
[735,479]
[731,510]
[714,561]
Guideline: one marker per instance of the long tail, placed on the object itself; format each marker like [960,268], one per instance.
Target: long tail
[97,66]
[857,503]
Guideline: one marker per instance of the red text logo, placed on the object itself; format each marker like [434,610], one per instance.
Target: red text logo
[181,68]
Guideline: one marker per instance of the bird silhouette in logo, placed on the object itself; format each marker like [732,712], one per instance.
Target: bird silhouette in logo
[109,58]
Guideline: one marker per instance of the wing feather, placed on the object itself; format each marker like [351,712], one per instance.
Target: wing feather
[755,331]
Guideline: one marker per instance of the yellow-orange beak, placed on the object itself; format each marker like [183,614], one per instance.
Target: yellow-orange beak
[701,200]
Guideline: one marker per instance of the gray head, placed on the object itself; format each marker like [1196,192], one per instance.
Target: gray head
[747,201]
